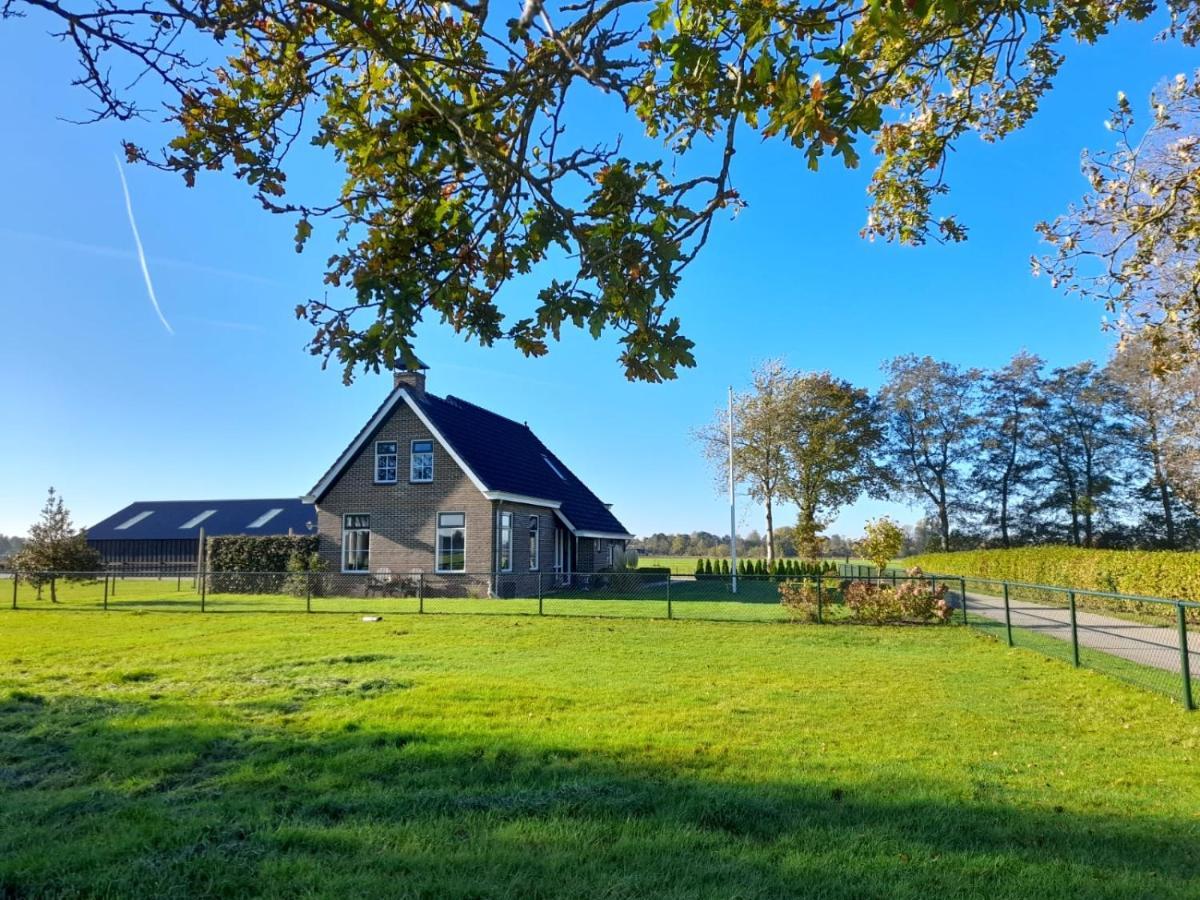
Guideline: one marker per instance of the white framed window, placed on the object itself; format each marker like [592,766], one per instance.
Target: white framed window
[356,543]
[451,545]
[420,461]
[597,546]
[385,462]
[611,547]
[535,546]
[505,553]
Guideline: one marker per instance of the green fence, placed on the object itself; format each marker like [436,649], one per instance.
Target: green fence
[1148,641]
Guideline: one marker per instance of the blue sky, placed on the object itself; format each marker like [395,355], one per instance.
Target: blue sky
[105,405]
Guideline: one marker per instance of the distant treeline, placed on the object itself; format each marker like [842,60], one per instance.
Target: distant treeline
[10,544]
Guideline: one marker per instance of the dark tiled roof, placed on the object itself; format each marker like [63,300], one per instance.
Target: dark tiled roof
[167,518]
[507,456]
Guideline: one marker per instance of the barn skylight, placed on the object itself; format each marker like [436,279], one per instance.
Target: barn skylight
[196,520]
[265,518]
[129,523]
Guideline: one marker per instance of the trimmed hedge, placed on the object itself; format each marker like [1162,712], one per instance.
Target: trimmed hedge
[1169,574]
[279,554]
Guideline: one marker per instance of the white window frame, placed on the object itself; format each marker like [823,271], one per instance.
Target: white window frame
[345,545]
[412,458]
[395,455]
[535,543]
[597,546]
[437,543]
[611,548]
[504,531]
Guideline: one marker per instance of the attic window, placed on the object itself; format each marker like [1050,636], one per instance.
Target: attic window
[196,520]
[265,518]
[129,523]
[557,471]
[385,462]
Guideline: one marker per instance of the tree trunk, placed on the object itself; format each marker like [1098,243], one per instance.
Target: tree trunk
[1004,542]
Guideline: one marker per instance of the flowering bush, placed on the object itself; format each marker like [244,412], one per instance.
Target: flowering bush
[799,598]
[913,601]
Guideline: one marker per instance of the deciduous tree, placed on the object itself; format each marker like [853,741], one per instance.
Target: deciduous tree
[1134,241]
[451,122]
[928,449]
[1003,458]
[762,437]
[833,430]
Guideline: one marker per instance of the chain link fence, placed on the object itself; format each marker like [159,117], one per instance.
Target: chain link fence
[1146,641]
[1151,642]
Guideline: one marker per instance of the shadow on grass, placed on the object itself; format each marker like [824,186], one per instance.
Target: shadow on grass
[157,799]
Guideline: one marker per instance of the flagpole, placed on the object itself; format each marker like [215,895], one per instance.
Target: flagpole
[732,501]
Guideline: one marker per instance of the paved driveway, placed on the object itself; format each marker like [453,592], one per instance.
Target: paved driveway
[1150,645]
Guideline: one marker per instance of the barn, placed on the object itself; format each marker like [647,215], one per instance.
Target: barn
[166,534]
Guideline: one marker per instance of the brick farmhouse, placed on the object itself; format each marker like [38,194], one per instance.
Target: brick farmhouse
[443,487]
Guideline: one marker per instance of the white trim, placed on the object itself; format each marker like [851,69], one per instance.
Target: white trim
[396,453]
[437,543]
[389,405]
[500,514]
[420,414]
[535,531]
[412,453]
[522,498]
[611,535]
[342,550]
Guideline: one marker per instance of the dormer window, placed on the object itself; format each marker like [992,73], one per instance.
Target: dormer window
[385,462]
[421,462]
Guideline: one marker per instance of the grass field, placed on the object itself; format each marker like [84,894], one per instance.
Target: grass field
[160,754]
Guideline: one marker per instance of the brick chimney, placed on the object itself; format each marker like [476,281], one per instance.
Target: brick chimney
[411,376]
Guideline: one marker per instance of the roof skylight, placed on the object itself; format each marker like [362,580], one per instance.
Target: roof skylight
[557,471]
[265,518]
[196,520]
[129,523]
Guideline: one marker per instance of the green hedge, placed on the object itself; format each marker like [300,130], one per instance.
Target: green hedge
[654,570]
[1171,575]
[274,554]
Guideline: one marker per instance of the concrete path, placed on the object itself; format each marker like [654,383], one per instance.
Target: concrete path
[1150,645]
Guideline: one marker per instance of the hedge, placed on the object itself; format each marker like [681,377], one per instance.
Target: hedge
[230,554]
[1172,575]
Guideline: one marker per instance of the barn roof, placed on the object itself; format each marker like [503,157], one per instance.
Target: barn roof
[183,519]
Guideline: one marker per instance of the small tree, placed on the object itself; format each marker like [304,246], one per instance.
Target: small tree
[882,541]
[55,549]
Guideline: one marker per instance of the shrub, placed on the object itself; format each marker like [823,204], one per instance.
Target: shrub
[799,600]
[883,541]
[654,570]
[708,567]
[915,602]
[699,565]
[724,567]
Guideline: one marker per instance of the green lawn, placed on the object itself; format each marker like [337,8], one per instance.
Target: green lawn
[160,754]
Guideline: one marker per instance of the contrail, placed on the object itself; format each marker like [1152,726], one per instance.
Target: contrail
[140,252]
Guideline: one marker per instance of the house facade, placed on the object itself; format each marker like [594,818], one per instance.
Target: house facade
[442,487]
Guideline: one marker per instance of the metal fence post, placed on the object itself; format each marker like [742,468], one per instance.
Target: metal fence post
[1074,630]
[420,592]
[1185,661]
[16,579]
[541,608]
[962,585]
[670,612]
[820,600]
[203,590]
[1007,616]
[106,590]
[308,591]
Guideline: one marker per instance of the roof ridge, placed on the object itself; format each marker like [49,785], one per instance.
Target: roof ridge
[452,400]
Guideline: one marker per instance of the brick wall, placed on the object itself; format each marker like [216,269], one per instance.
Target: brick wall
[404,515]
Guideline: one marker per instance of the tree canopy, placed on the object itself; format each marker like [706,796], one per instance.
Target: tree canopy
[451,125]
